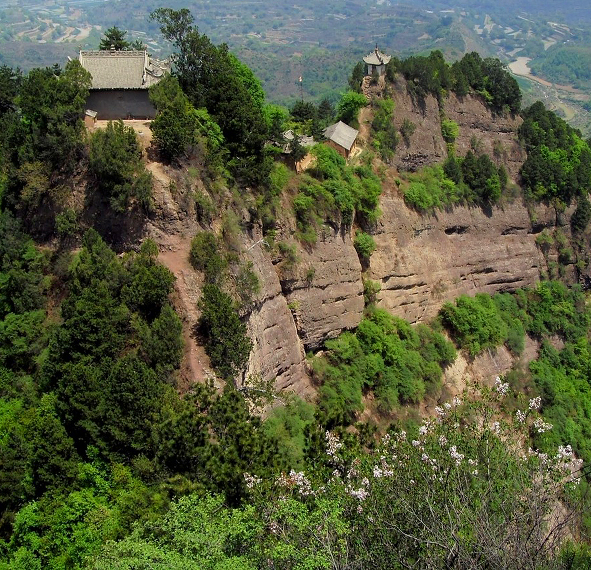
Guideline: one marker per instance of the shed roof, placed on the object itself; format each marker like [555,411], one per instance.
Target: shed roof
[122,69]
[341,134]
[376,57]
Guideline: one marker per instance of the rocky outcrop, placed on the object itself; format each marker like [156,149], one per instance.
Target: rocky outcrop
[325,292]
[479,129]
[423,260]
[277,350]
[426,145]
[486,132]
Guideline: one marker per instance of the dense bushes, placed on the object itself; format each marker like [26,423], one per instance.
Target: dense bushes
[449,130]
[558,164]
[179,127]
[482,177]
[384,136]
[430,189]
[349,106]
[213,79]
[473,179]
[336,193]
[432,75]
[115,160]
[206,255]
[561,377]
[481,322]
[456,489]
[226,342]
[555,309]
[41,136]
[95,436]
[386,355]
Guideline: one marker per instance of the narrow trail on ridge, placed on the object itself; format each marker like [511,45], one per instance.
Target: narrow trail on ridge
[174,247]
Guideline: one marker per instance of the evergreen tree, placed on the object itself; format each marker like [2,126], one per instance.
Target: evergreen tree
[114,38]
[226,341]
[356,77]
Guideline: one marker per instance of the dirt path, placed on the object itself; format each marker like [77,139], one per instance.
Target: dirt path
[521,68]
[364,123]
[175,256]
[174,246]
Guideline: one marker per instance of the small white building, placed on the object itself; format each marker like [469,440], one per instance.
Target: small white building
[376,61]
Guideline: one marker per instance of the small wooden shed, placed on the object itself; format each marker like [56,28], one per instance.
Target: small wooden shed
[341,137]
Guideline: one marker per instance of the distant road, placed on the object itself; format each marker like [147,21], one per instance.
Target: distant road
[520,67]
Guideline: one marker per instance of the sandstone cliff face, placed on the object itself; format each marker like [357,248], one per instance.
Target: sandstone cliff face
[330,300]
[423,261]
[277,349]
[420,262]
[495,135]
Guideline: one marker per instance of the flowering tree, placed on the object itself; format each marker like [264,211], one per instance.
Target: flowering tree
[460,492]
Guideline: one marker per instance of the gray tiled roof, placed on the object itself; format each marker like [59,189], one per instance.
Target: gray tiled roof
[122,69]
[305,141]
[341,134]
[376,57]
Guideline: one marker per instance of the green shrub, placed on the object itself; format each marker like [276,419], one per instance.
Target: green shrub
[247,283]
[386,355]
[417,196]
[544,240]
[449,130]
[226,341]
[474,322]
[370,291]
[66,223]
[349,106]
[204,208]
[385,138]
[289,253]
[558,164]
[364,245]
[115,160]
[205,256]
[430,189]
[278,178]
[335,193]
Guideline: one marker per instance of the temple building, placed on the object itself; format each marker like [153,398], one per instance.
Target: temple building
[120,82]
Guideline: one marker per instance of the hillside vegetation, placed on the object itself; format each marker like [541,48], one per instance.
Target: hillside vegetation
[107,460]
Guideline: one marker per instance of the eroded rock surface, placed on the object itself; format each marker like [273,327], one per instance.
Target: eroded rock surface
[423,261]
[326,291]
[277,349]
[479,129]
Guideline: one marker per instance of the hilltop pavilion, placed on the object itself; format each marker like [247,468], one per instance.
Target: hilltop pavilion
[376,61]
